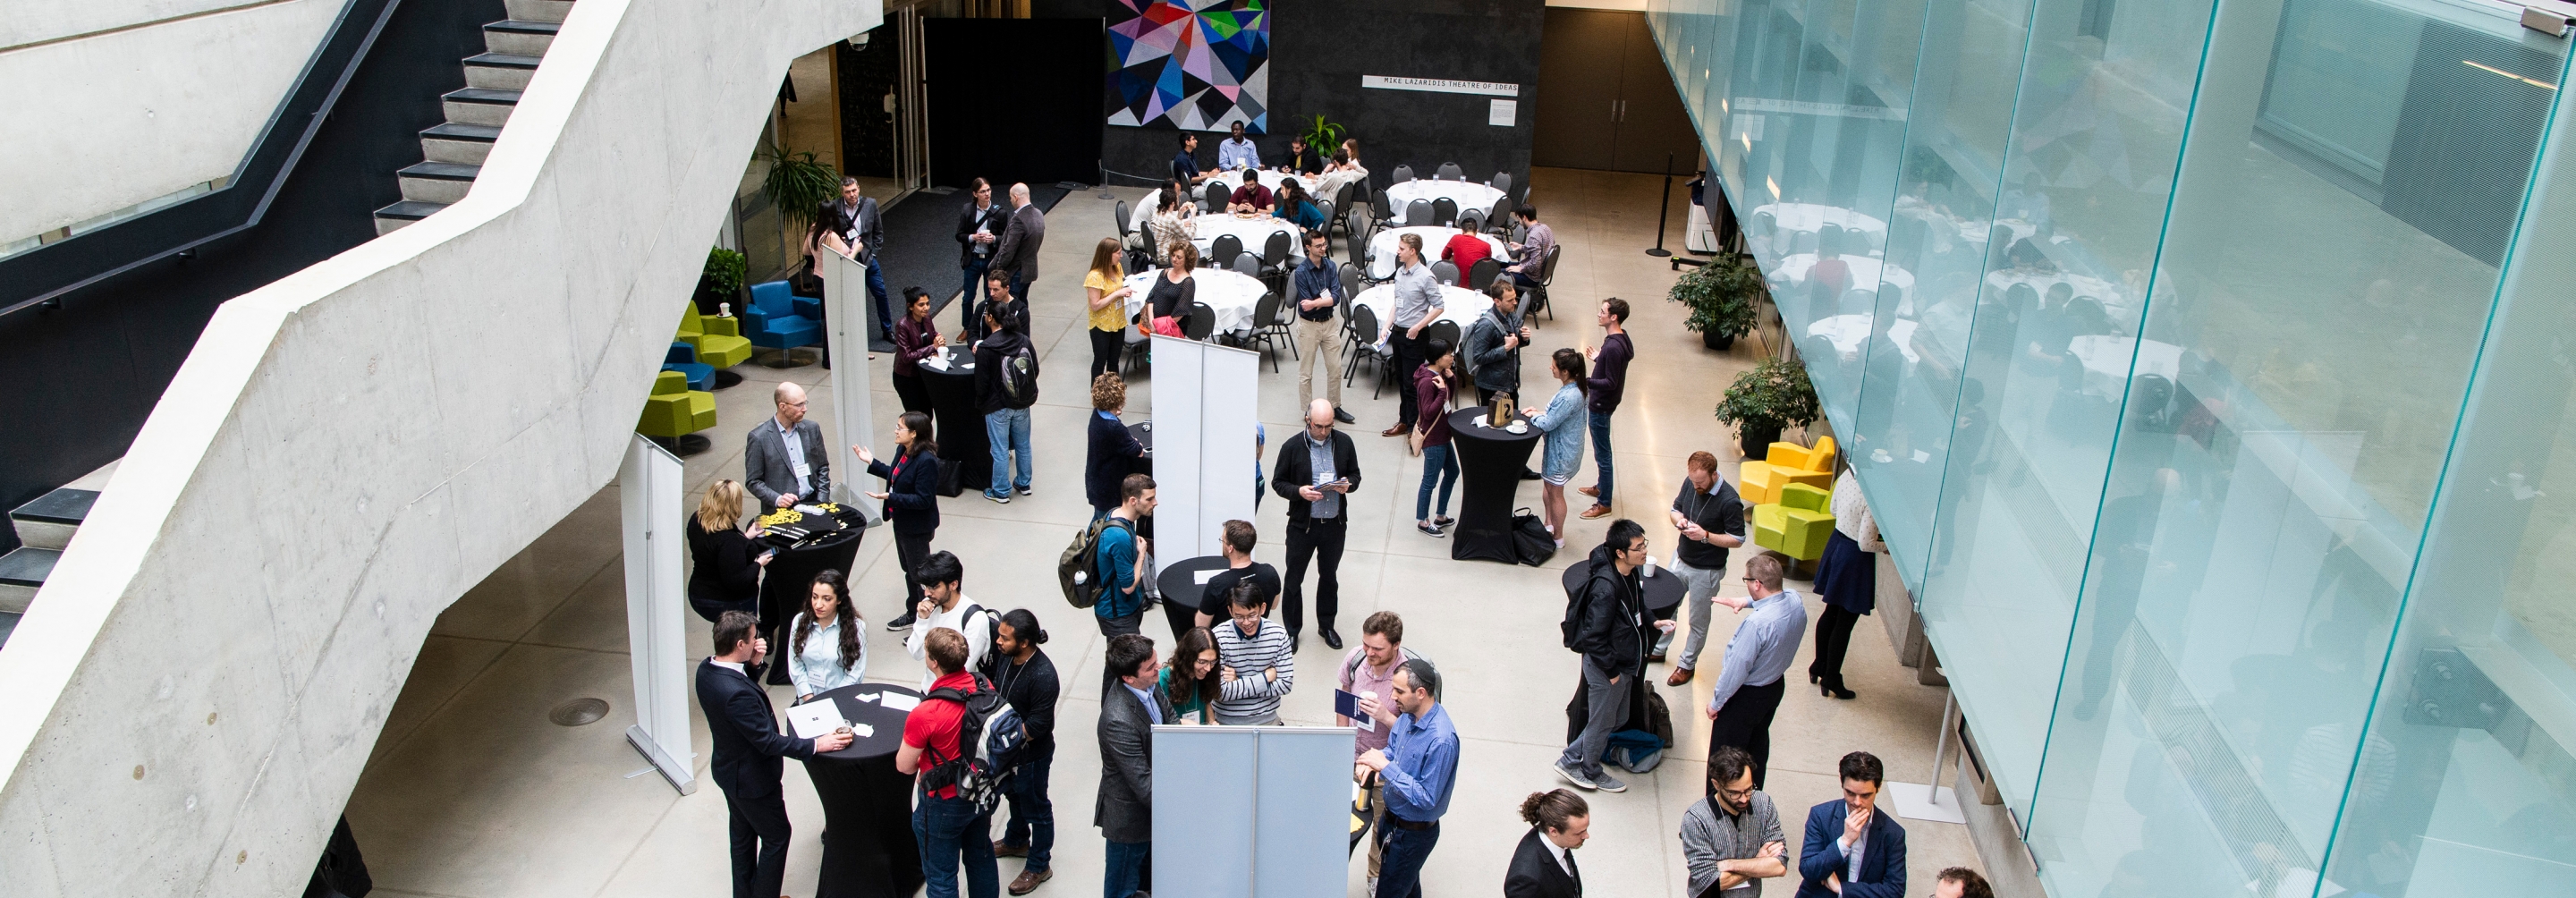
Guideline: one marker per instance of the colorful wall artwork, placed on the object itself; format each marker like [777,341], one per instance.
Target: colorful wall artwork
[1198,65]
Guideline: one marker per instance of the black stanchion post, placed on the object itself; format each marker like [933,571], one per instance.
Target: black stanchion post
[1104,180]
[1664,210]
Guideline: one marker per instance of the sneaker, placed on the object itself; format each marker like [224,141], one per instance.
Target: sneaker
[1000,499]
[1574,776]
[1025,491]
[1607,783]
[1432,529]
[1345,417]
[900,623]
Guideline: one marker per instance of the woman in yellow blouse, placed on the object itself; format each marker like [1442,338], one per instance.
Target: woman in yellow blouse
[1103,284]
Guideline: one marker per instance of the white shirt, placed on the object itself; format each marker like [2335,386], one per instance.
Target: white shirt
[978,633]
[818,667]
[1852,851]
[735,666]
[1557,851]
[796,459]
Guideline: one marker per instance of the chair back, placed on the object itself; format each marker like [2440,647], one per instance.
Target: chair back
[1483,272]
[1223,249]
[1502,218]
[1350,287]
[1806,498]
[691,326]
[1215,196]
[1472,221]
[1449,171]
[1417,213]
[1444,211]
[680,354]
[1265,311]
[1444,331]
[1121,213]
[1445,271]
[1764,224]
[1403,173]
[1356,239]
[1324,210]
[771,298]
[1502,181]
[1245,263]
[1821,458]
[1342,197]
[1802,242]
[1200,323]
[1275,250]
[1364,323]
[670,382]
[1547,269]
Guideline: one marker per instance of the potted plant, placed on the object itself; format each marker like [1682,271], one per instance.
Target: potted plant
[1766,400]
[1322,136]
[797,185]
[1721,297]
[721,281]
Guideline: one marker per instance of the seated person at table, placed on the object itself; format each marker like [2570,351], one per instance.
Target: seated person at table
[1302,158]
[1174,290]
[1251,197]
[1465,250]
[1530,255]
[1185,168]
[1344,169]
[1170,220]
[1237,151]
[1295,206]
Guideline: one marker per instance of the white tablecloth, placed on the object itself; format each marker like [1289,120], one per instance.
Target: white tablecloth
[1434,237]
[1847,332]
[1810,218]
[1254,232]
[1153,198]
[1457,304]
[1467,194]
[1865,272]
[2106,361]
[1231,294]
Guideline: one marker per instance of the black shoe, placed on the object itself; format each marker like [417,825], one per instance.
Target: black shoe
[1332,639]
[1840,693]
[1292,641]
[1527,474]
[1343,416]
[900,623]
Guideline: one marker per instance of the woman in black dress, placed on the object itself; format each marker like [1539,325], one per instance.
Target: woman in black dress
[727,565]
[911,500]
[1175,290]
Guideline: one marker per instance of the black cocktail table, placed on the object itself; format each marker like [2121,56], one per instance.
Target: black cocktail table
[959,426]
[868,849]
[1489,475]
[1181,590]
[1663,590]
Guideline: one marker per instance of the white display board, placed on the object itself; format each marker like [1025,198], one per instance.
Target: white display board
[1265,811]
[1205,402]
[845,308]
[648,493]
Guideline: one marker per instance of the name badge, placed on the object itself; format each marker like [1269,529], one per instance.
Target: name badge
[803,470]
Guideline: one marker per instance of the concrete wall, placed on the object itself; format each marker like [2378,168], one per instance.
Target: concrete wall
[347,449]
[171,94]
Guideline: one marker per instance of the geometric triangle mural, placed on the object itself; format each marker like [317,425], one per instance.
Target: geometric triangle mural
[1196,65]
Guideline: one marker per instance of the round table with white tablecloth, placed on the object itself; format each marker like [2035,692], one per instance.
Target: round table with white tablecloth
[2106,362]
[1231,294]
[1467,194]
[1866,272]
[1254,231]
[1457,304]
[1382,248]
[1810,218]
[1847,331]
[1154,198]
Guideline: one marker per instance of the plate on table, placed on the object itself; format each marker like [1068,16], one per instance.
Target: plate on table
[1516,428]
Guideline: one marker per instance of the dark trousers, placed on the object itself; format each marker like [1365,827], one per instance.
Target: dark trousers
[1020,287]
[1601,457]
[1745,722]
[1120,626]
[1104,351]
[1321,541]
[969,318]
[1399,873]
[1833,638]
[877,294]
[915,394]
[1408,356]
[1129,869]
[909,550]
[953,837]
[1032,822]
[760,833]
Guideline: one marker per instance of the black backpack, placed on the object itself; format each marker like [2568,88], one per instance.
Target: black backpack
[1572,626]
[1020,376]
[977,778]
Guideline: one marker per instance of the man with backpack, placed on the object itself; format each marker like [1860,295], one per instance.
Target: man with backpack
[1006,384]
[952,817]
[1118,568]
[944,604]
[1607,624]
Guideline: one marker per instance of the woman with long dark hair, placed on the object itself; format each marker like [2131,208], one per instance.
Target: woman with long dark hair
[915,338]
[827,651]
[1191,679]
[1564,420]
[911,500]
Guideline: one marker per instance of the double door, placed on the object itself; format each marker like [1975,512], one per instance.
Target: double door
[1605,100]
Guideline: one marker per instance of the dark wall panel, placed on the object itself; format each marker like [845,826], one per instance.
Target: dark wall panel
[867,132]
[1013,99]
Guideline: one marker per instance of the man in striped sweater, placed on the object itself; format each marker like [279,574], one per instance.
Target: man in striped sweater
[1254,660]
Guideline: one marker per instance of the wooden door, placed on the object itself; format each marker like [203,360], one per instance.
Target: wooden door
[1652,123]
[1579,70]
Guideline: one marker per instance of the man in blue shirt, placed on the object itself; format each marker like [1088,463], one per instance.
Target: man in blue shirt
[1318,284]
[1185,168]
[1750,684]
[1237,152]
[1121,567]
[1418,769]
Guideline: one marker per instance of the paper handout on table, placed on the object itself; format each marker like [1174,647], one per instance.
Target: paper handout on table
[813,720]
[900,702]
[1204,576]
[936,362]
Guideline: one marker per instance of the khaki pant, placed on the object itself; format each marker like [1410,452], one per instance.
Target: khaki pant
[1313,339]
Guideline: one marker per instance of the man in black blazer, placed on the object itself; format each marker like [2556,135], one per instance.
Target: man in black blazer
[1543,866]
[856,219]
[748,749]
[1318,518]
[1017,252]
[1130,706]
[979,233]
[1853,850]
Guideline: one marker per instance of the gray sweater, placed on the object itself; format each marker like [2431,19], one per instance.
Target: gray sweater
[1708,838]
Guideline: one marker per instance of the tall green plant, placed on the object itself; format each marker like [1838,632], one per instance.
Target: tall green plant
[725,271]
[1322,135]
[797,185]
[1721,296]
[1775,394]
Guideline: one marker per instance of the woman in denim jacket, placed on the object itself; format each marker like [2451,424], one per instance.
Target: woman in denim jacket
[1564,421]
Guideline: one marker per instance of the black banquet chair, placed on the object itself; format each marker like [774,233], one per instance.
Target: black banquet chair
[1200,322]
[1403,173]
[1444,212]
[1215,196]
[1449,171]
[1445,271]
[1417,213]
[1223,249]
[1483,273]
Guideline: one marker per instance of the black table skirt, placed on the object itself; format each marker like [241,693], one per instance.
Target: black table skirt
[1489,478]
[956,426]
[1179,584]
[790,575]
[868,848]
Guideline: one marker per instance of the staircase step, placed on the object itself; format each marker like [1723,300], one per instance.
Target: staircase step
[502,71]
[479,106]
[22,571]
[437,182]
[8,625]
[47,521]
[399,215]
[539,10]
[518,36]
[460,144]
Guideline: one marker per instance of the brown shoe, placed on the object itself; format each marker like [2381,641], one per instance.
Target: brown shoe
[1680,676]
[1029,880]
[1005,849]
[1396,431]
[1595,512]
[1589,490]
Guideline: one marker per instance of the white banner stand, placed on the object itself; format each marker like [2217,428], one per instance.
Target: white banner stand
[1931,801]
[1206,400]
[648,492]
[845,305]
[1285,834]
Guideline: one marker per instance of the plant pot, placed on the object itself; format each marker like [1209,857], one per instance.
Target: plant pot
[1716,341]
[1755,437]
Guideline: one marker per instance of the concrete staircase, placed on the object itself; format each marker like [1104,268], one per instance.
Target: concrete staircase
[453,152]
[45,526]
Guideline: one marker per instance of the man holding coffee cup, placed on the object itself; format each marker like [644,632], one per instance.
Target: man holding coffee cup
[1369,672]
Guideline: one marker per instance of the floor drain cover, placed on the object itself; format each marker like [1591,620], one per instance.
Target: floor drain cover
[577,712]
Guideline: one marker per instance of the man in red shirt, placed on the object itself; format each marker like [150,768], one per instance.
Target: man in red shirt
[947,827]
[1251,197]
[1465,250]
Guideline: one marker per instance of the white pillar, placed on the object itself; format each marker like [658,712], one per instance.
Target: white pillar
[845,301]
[648,492]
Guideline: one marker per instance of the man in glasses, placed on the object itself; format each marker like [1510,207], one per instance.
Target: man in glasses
[1731,841]
[1853,849]
[1753,678]
[1316,468]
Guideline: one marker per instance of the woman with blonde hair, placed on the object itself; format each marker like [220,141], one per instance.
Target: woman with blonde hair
[727,574]
[1105,285]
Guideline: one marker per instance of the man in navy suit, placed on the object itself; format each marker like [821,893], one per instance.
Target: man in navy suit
[748,747]
[1853,850]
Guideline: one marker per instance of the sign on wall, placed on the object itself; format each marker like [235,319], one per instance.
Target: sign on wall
[1196,65]
[1442,85]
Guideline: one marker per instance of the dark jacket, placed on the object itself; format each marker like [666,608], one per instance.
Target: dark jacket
[912,344]
[912,497]
[1497,370]
[992,393]
[1108,461]
[1032,690]
[1535,874]
[1018,248]
[747,743]
[1882,855]
[767,472]
[1295,470]
[1305,162]
[724,576]
[1608,382]
[994,219]
[1124,810]
[864,220]
[1611,635]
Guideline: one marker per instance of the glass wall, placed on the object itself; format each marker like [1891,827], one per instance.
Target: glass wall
[2203,365]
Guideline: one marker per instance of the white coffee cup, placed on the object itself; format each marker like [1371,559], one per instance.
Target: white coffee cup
[1650,565]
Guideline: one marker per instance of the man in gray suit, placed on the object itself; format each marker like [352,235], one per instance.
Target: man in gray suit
[785,460]
[1018,251]
[1129,708]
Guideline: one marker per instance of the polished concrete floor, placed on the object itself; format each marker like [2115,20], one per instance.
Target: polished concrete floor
[472,792]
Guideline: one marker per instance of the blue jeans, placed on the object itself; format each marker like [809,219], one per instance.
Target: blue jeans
[948,828]
[1439,463]
[1032,821]
[1126,864]
[968,318]
[885,310]
[1399,869]
[1007,431]
[1601,456]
